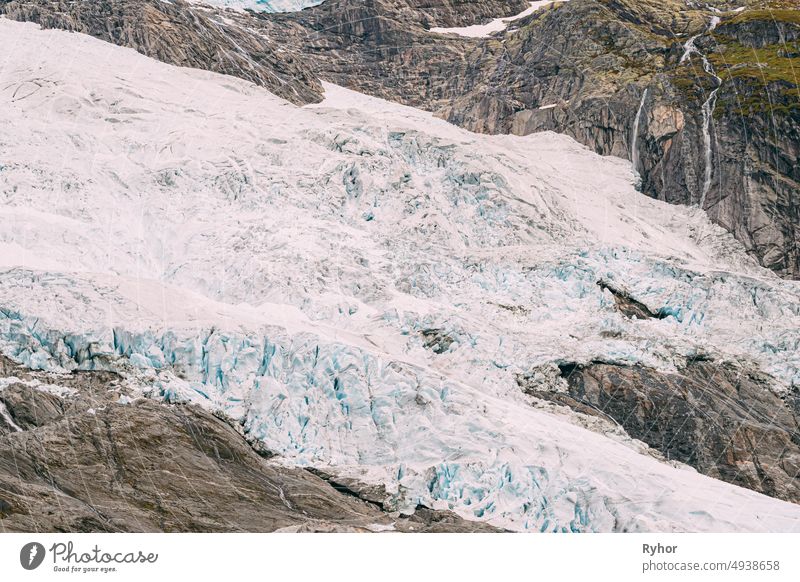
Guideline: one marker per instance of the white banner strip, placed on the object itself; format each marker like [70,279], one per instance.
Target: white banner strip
[355,557]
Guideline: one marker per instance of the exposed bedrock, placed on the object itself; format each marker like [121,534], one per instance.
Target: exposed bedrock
[720,419]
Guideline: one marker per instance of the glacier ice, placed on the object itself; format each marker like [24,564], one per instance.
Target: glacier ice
[281,266]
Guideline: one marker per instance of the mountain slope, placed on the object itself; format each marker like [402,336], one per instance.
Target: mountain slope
[715,126]
[612,74]
[359,287]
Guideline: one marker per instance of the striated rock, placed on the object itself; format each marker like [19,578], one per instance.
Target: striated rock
[436,340]
[29,407]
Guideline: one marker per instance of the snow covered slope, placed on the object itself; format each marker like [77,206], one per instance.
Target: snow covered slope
[358,283]
[262,5]
[496,25]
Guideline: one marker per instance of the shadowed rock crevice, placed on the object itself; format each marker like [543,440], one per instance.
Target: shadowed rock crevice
[374,494]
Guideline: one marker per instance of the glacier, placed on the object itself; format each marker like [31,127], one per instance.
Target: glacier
[283,267]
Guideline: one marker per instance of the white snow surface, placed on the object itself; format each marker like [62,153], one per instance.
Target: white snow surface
[261,5]
[218,245]
[496,25]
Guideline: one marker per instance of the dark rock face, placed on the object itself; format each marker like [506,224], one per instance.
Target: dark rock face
[29,408]
[719,419]
[452,13]
[758,196]
[436,340]
[85,462]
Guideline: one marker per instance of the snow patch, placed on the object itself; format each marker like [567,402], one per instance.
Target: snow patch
[261,5]
[496,25]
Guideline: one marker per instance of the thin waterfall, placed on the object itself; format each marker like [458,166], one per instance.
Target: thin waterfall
[4,414]
[707,109]
[635,137]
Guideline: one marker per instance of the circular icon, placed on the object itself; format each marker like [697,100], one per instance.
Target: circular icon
[31,555]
